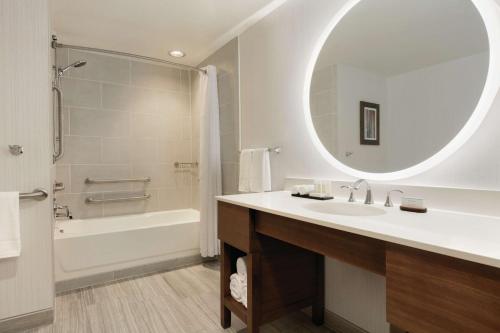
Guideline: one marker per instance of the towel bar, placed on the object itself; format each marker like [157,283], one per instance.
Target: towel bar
[182,165]
[91,200]
[275,150]
[109,181]
[37,194]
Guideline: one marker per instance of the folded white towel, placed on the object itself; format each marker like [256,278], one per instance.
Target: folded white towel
[260,172]
[245,167]
[241,266]
[10,235]
[244,295]
[235,286]
[238,287]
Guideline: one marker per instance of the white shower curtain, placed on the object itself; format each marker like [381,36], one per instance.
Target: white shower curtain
[210,172]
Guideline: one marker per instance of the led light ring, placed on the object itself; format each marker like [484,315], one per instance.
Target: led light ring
[490,14]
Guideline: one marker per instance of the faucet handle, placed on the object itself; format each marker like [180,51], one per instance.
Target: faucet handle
[388,201]
[351,192]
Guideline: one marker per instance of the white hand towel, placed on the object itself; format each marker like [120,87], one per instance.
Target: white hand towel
[244,295]
[10,235]
[241,266]
[235,286]
[245,167]
[260,172]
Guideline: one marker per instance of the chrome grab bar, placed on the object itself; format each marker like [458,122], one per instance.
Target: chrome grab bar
[59,152]
[182,165]
[110,181]
[91,200]
[38,194]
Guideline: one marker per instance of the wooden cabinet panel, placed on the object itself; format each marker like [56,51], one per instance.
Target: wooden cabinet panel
[364,252]
[432,293]
[235,226]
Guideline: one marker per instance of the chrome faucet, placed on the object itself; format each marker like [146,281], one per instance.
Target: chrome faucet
[65,214]
[355,186]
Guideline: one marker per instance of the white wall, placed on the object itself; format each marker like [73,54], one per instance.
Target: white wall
[26,283]
[355,85]
[274,55]
[438,100]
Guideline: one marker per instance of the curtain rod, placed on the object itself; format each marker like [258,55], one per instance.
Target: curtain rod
[55,44]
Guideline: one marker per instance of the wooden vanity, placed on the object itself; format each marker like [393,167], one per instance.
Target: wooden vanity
[427,292]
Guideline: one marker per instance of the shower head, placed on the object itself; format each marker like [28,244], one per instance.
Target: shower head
[76,64]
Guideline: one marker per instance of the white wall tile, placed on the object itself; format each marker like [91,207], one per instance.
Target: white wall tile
[81,150]
[116,128]
[144,125]
[81,93]
[115,151]
[127,98]
[155,76]
[100,67]
[85,122]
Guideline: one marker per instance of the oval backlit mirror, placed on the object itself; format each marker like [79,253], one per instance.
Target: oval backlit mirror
[396,86]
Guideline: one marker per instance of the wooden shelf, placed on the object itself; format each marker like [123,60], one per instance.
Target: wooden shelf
[236,307]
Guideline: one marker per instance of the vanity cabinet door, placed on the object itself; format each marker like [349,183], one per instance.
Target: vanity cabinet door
[235,226]
[432,293]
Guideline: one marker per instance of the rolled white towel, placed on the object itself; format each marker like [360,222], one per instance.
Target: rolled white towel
[241,266]
[235,286]
[244,295]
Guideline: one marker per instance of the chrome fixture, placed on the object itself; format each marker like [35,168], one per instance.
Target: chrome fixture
[16,150]
[91,200]
[185,165]
[351,192]
[66,212]
[388,201]
[76,64]
[110,181]
[355,186]
[58,186]
[275,150]
[58,138]
[57,45]
[38,194]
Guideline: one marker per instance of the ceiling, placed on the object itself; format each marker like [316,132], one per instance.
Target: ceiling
[153,27]
[390,37]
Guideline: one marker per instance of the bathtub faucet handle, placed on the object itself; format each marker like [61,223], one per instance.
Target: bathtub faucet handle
[66,213]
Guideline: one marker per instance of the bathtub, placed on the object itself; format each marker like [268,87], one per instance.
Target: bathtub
[94,250]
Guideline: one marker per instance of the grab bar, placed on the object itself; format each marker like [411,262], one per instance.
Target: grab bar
[182,165]
[91,200]
[110,181]
[59,138]
[37,194]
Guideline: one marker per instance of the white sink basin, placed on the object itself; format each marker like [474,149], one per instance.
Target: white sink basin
[344,208]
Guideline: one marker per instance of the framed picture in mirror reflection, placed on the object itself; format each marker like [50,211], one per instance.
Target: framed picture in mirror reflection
[369,123]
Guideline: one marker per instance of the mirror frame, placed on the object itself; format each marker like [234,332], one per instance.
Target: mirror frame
[490,13]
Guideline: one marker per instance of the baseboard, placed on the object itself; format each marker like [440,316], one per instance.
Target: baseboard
[27,321]
[338,324]
[102,278]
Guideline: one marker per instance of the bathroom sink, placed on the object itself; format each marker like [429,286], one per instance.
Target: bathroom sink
[342,208]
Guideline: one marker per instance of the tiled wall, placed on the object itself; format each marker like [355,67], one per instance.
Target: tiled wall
[124,119]
[324,106]
[226,61]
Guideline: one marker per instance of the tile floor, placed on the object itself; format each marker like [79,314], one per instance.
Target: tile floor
[180,301]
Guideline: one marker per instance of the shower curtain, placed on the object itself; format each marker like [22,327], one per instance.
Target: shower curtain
[210,172]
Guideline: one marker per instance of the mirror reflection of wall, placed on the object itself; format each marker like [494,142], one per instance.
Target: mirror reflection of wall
[424,62]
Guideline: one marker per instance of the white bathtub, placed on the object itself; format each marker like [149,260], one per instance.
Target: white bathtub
[91,247]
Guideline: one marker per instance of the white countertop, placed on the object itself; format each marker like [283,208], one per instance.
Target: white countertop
[465,236]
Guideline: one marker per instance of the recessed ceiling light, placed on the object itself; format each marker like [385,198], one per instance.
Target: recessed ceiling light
[177,53]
